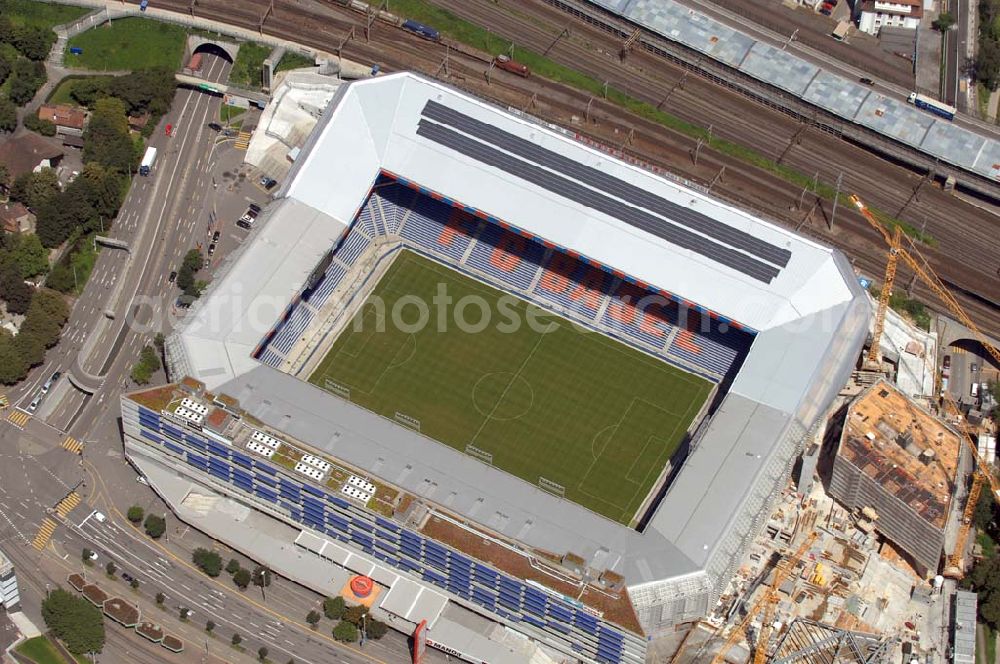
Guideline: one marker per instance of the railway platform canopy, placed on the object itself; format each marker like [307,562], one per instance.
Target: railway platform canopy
[975,151]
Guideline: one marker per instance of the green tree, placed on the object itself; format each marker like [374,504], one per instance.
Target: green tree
[33,42]
[333,607]
[160,599]
[86,555]
[86,91]
[375,629]
[111,568]
[26,77]
[262,653]
[4,178]
[233,566]
[183,613]
[135,514]
[158,341]
[155,526]
[40,125]
[74,621]
[27,252]
[242,578]
[345,632]
[34,189]
[210,626]
[8,115]
[12,364]
[207,561]
[6,66]
[237,639]
[355,614]
[144,91]
[134,583]
[46,315]
[313,618]
[106,139]
[261,576]
[13,290]
[189,266]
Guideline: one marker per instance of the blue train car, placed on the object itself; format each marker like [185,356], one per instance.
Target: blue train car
[425,31]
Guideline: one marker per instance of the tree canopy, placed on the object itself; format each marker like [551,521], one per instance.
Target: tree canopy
[74,621]
[207,561]
[106,139]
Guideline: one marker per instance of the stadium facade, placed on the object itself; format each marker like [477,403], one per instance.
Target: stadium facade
[773,318]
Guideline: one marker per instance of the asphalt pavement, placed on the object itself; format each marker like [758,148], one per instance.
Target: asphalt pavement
[67,460]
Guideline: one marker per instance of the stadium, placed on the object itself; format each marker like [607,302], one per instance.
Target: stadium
[493,362]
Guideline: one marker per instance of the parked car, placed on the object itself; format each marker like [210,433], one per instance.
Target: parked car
[215,236]
[141,480]
[947,362]
[128,577]
[99,516]
[173,277]
[56,375]
[211,249]
[253,207]
[824,12]
[973,368]
[93,555]
[170,129]
[215,126]
[268,183]
[865,80]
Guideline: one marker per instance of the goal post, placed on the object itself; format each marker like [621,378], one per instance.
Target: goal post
[337,388]
[552,487]
[406,420]
[477,453]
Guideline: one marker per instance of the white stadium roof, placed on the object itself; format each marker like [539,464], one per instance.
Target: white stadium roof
[802,299]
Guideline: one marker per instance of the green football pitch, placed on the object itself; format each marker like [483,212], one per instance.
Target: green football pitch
[547,402]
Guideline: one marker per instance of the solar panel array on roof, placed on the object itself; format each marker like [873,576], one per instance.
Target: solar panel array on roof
[841,96]
[680,226]
[500,594]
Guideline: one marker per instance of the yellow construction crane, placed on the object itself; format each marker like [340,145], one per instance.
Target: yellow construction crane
[981,475]
[926,275]
[769,602]
[954,567]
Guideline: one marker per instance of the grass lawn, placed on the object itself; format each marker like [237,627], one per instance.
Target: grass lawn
[40,14]
[577,408]
[129,44]
[292,60]
[62,93]
[229,113]
[40,650]
[990,636]
[246,71]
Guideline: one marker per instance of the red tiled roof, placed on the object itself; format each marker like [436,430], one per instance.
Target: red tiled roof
[63,116]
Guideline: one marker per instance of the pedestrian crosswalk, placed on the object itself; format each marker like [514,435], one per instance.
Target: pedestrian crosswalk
[44,534]
[66,505]
[243,140]
[18,418]
[73,445]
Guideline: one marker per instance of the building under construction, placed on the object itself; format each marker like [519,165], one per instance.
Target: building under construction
[897,459]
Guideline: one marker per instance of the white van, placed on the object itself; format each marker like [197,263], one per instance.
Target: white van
[975,390]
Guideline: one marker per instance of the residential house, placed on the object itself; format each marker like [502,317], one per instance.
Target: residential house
[69,120]
[15,218]
[878,14]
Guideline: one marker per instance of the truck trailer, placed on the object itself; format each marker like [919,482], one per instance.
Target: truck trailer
[147,161]
[933,106]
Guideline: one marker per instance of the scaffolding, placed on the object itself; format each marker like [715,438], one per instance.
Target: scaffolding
[809,642]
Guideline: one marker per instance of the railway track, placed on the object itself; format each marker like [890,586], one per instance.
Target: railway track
[961,229]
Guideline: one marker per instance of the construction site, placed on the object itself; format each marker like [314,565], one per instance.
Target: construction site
[863,558]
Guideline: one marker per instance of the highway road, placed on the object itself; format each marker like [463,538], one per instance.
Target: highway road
[164,215]
[957,53]
[159,220]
